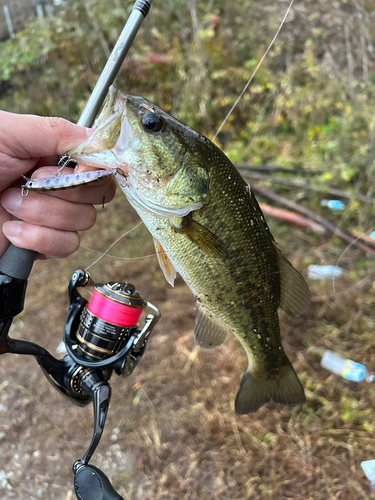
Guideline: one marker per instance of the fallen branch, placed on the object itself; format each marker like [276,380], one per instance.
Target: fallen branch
[304,185]
[344,235]
[291,218]
[268,168]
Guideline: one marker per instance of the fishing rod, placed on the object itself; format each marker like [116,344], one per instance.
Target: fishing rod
[101,336]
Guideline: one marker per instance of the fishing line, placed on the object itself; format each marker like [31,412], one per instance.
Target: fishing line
[254,72]
[337,272]
[105,254]
[112,245]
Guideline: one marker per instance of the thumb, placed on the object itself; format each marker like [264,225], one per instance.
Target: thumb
[30,136]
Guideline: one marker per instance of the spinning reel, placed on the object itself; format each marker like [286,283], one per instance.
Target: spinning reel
[101,336]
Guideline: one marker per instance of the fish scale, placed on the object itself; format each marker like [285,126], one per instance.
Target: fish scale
[243,234]
[208,226]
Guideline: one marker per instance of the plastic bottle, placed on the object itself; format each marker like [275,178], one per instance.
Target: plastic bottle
[346,368]
[333,204]
[369,469]
[356,372]
[316,272]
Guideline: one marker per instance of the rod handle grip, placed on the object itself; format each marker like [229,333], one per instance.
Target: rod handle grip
[17,262]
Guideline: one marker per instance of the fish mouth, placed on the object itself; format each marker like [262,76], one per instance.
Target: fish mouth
[97,149]
[106,111]
[112,110]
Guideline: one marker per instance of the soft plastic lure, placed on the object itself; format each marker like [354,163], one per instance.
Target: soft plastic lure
[58,182]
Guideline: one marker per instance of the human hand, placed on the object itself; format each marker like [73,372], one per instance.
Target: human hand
[48,222]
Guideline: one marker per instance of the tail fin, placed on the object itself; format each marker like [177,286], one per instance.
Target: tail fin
[282,386]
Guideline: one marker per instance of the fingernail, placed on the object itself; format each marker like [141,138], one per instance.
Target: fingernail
[12,229]
[12,200]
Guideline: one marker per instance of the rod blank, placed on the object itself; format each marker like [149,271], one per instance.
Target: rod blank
[140,11]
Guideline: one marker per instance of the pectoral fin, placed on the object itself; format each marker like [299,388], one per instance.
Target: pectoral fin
[165,264]
[294,291]
[208,242]
[207,332]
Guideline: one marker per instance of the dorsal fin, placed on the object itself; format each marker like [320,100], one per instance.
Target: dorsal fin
[207,331]
[294,291]
[165,264]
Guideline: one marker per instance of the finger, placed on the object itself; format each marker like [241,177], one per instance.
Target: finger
[33,136]
[48,160]
[4,242]
[46,241]
[49,211]
[93,193]
[26,138]
[48,171]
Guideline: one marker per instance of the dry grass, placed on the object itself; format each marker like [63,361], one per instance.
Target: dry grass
[172,432]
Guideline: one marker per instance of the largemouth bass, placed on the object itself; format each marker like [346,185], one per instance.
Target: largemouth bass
[208,227]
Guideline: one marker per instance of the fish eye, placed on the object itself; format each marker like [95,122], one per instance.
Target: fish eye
[152,122]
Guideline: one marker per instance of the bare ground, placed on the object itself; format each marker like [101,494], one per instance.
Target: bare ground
[172,432]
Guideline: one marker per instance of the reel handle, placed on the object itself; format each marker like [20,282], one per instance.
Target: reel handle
[90,483]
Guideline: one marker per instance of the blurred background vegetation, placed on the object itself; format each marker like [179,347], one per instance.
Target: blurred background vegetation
[310,107]
[311,104]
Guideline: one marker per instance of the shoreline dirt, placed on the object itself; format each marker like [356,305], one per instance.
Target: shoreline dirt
[172,432]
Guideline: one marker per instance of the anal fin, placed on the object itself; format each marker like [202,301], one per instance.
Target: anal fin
[165,264]
[208,333]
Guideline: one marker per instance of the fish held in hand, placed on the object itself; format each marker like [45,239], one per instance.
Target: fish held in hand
[208,227]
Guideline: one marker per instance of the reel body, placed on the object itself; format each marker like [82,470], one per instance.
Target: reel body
[107,321]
